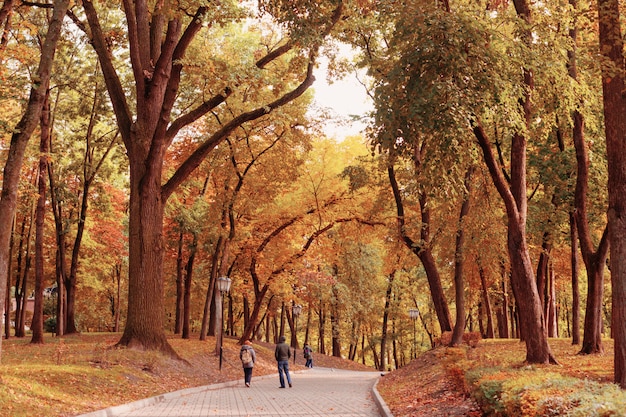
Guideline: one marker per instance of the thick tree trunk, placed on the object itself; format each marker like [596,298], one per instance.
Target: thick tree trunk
[246,309]
[592,334]
[144,323]
[230,320]
[594,260]
[611,47]
[283,311]
[269,331]
[531,320]
[531,313]
[70,311]
[354,340]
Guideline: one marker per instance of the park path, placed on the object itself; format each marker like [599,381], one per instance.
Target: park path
[316,392]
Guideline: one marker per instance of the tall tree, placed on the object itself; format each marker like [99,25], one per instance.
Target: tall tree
[422,248]
[522,275]
[44,146]
[612,49]
[385,325]
[594,259]
[19,139]
[459,261]
[454,79]
[159,38]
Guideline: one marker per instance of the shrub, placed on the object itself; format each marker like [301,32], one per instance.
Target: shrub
[50,325]
[535,392]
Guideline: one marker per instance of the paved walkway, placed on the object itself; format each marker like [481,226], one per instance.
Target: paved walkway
[316,392]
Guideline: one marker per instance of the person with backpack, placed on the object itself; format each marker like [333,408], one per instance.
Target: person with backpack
[248,357]
[308,355]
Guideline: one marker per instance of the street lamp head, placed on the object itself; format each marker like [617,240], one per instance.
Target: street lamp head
[296,309]
[414,313]
[223,284]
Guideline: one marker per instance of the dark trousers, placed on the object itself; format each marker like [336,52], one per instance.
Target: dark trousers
[247,374]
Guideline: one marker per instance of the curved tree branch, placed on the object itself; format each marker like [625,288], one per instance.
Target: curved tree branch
[196,158]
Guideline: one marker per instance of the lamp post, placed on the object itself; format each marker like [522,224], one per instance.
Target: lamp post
[414,314]
[223,286]
[296,309]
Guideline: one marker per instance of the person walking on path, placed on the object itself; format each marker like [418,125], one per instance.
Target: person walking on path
[308,355]
[248,357]
[282,355]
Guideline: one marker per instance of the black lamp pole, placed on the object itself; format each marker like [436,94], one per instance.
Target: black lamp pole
[223,287]
[414,314]
[296,309]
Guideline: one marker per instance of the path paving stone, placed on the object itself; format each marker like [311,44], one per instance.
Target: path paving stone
[316,392]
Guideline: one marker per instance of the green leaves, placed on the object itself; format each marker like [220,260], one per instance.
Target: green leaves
[450,67]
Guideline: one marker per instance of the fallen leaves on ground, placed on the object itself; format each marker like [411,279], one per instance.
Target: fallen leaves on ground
[434,384]
[424,388]
[77,374]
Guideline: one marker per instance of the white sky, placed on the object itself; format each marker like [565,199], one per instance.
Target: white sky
[342,98]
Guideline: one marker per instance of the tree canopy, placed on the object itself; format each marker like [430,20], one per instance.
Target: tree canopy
[176,147]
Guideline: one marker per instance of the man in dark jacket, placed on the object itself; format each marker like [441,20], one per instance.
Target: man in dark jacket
[282,355]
